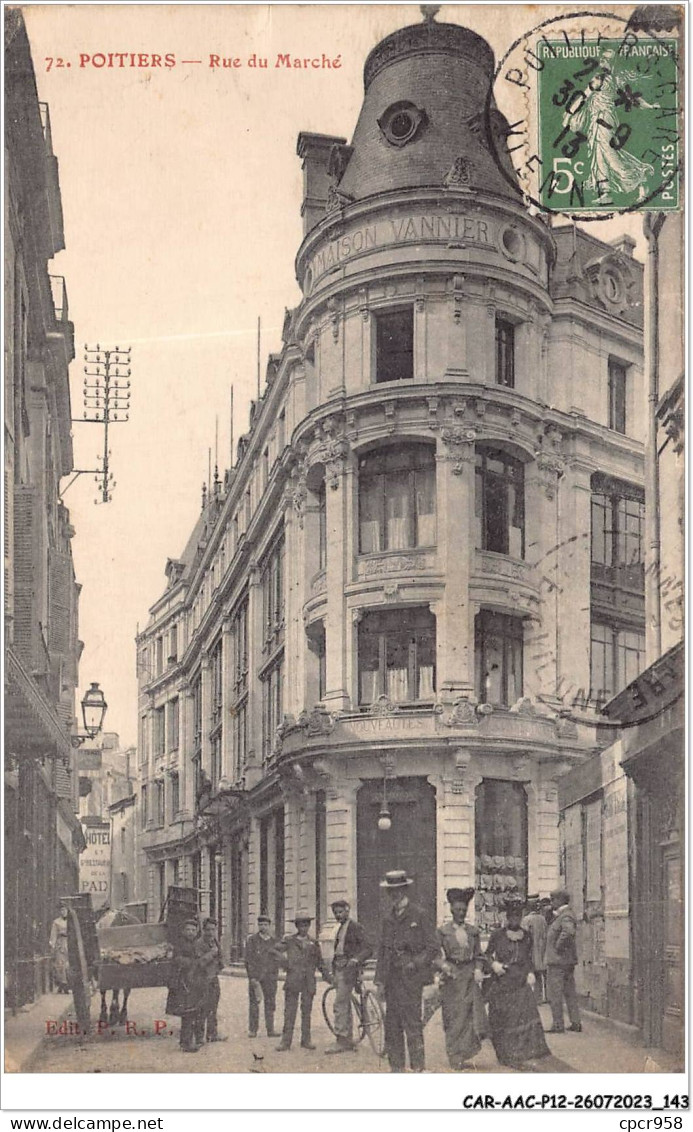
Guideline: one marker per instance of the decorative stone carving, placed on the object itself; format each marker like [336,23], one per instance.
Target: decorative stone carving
[432,403]
[551,467]
[503,567]
[356,616]
[458,783]
[394,564]
[460,446]
[391,591]
[463,713]
[613,281]
[334,313]
[319,583]
[420,298]
[382,706]
[457,296]
[522,767]
[330,450]
[318,721]
[459,175]
[364,308]
[299,493]
[390,411]
[525,707]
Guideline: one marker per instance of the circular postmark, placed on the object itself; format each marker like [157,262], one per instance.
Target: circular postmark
[592,105]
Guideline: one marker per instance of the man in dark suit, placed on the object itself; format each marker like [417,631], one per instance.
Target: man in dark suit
[301,956]
[351,950]
[262,965]
[561,960]
[408,947]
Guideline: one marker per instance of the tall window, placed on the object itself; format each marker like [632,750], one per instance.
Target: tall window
[273,595]
[397,655]
[175,796]
[394,345]
[505,353]
[617,395]
[272,703]
[397,498]
[498,658]
[173,729]
[239,687]
[159,655]
[144,814]
[173,645]
[216,727]
[159,802]
[500,502]
[281,433]
[197,711]
[618,528]
[617,657]
[322,526]
[159,732]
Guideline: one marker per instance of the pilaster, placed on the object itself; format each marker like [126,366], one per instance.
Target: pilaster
[227,695]
[206,713]
[337,491]
[255,638]
[340,822]
[455,824]
[573,577]
[254,908]
[292,856]
[455,495]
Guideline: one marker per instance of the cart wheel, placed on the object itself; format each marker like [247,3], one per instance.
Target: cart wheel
[80,982]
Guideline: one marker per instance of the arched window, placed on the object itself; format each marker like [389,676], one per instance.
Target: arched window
[500,502]
[397,498]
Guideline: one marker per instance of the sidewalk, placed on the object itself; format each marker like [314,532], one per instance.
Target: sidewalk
[25,1030]
[152,1047]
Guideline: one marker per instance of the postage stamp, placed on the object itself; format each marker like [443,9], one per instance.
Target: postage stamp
[593,104]
[607,116]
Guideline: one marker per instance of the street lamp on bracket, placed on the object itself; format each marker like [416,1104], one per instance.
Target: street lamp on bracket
[94,709]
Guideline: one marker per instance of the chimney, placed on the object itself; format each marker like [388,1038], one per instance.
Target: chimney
[315,150]
[624,244]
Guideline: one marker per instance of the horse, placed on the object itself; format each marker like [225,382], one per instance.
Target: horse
[118,1014]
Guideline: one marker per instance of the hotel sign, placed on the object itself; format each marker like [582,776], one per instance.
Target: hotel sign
[95,863]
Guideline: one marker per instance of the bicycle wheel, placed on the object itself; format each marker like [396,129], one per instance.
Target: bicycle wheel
[372,1022]
[328,1007]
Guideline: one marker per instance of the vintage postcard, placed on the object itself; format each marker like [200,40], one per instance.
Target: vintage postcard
[345,735]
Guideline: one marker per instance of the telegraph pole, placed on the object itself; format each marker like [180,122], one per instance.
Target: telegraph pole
[107,399]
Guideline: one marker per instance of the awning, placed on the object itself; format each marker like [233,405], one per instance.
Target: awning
[32,726]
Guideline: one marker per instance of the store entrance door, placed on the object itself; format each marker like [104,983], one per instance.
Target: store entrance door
[409,844]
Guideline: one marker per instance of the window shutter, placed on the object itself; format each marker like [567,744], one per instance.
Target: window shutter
[26,620]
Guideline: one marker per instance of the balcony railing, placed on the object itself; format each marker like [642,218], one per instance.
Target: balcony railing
[59,293]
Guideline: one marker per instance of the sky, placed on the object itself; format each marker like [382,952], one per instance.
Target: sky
[181,194]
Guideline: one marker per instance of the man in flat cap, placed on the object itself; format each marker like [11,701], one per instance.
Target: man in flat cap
[561,960]
[461,968]
[262,966]
[408,948]
[186,994]
[302,957]
[351,950]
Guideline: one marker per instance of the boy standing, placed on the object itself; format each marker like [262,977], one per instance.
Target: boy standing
[301,956]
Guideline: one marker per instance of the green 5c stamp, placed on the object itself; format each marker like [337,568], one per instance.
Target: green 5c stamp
[591,112]
[608,124]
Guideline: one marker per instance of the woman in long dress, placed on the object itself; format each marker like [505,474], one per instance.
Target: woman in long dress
[612,168]
[516,1030]
[58,946]
[461,967]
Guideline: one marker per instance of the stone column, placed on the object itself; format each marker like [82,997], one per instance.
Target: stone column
[420,351]
[573,576]
[227,697]
[455,507]
[254,908]
[337,573]
[292,863]
[541,541]
[455,824]
[306,854]
[206,713]
[254,709]
[294,634]
[341,849]
[186,784]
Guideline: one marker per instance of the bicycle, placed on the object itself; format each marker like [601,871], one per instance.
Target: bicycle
[369,1016]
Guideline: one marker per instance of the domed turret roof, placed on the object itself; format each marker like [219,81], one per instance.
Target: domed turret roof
[423,120]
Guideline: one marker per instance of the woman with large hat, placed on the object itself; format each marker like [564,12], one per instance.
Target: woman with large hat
[516,1030]
[461,968]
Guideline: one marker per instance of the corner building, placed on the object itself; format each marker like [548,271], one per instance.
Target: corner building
[395,600]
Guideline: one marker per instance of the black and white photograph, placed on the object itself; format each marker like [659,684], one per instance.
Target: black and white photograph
[344,548]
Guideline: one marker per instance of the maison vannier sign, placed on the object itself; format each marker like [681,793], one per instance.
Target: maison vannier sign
[400,230]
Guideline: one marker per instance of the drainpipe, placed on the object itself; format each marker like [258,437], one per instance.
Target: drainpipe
[652,225]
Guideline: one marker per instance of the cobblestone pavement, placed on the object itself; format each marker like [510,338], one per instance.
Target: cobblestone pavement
[601,1047]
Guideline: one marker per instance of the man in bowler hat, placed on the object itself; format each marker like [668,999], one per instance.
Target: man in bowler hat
[408,948]
[351,950]
[262,966]
[301,956]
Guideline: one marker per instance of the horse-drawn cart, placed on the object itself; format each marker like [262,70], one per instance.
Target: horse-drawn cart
[122,955]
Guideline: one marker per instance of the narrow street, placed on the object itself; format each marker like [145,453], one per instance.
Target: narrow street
[600,1048]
